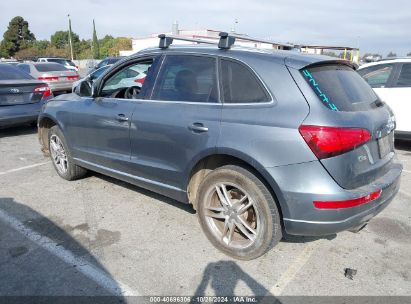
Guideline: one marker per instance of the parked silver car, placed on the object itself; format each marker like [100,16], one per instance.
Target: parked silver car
[55,75]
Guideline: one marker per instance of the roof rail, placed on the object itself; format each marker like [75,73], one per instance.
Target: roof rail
[246,38]
[167,40]
[226,41]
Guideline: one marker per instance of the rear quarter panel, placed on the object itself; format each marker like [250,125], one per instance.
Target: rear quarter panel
[267,133]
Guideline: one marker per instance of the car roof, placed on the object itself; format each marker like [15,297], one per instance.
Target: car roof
[291,58]
[385,61]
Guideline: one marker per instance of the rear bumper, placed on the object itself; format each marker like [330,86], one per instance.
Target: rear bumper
[311,182]
[19,114]
[60,86]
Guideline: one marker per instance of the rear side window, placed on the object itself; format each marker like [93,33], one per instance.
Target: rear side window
[187,78]
[50,67]
[340,88]
[240,85]
[404,79]
[9,72]
[377,76]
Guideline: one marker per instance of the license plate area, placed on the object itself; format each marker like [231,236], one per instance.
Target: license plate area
[386,145]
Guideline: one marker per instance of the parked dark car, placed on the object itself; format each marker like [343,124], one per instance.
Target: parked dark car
[106,61]
[21,96]
[259,142]
[55,75]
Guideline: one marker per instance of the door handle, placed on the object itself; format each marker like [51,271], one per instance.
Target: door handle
[122,117]
[198,127]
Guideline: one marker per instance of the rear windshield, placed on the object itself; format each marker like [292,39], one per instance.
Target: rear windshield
[9,72]
[340,88]
[49,67]
[61,61]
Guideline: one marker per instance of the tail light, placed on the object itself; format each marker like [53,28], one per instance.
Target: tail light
[331,141]
[45,90]
[73,77]
[348,203]
[48,78]
[140,80]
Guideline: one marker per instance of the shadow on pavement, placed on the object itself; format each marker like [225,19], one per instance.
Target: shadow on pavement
[287,238]
[223,277]
[185,207]
[39,258]
[18,130]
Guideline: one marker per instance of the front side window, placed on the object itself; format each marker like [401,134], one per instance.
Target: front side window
[240,85]
[187,78]
[127,82]
[377,76]
[340,88]
[404,80]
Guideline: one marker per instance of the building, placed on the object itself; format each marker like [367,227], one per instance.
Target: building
[141,43]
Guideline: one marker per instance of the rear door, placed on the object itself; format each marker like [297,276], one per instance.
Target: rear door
[340,97]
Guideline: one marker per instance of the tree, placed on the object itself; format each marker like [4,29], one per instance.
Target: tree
[60,39]
[17,36]
[391,54]
[111,46]
[95,44]
[409,54]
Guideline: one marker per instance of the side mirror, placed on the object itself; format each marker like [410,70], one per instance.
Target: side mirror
[93,89]
[84,88]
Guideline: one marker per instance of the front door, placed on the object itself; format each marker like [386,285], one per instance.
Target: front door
[101,125]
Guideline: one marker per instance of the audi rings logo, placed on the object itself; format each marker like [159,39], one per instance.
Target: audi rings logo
[14,91]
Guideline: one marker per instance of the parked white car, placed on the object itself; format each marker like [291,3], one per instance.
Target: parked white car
[391,80]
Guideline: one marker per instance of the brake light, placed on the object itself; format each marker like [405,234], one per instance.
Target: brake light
[140,80]
[348,203]
[48,78]
[331,141]
[43,89]
[73,77]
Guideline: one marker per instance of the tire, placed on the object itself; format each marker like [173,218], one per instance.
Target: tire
[60,156]
[224,224]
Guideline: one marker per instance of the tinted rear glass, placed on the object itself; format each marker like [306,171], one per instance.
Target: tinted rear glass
[9,72]
[50,67]
[340,88]
[61,61]
[240,85]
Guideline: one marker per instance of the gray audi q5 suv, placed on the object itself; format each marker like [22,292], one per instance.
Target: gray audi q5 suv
[261,143]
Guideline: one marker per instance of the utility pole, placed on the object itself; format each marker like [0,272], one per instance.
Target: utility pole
[70,42]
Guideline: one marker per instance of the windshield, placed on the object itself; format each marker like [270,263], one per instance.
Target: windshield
[61,61]
[340,88]
[97,73]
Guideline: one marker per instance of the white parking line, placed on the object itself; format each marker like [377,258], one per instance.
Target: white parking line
[92,272]
[294,268]
[23,168]
[406,171]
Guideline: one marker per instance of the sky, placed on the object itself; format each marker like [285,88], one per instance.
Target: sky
[377,26]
